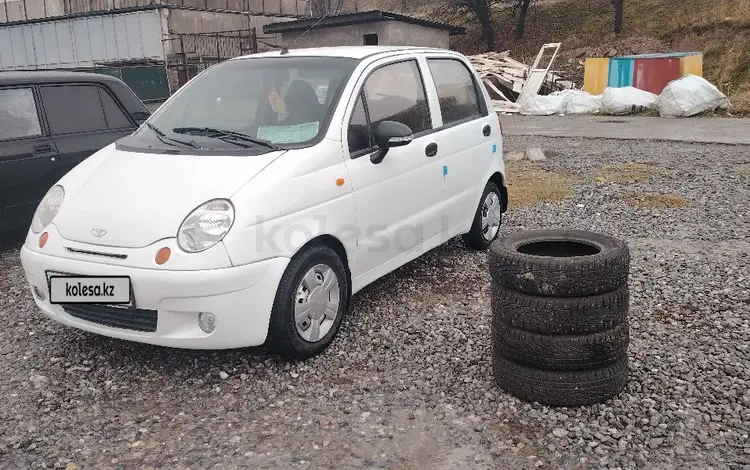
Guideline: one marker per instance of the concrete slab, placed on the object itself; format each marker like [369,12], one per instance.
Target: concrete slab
[514,156]
[535,154]
[706,130]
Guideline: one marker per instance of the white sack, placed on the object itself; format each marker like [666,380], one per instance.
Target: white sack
[581,102]
[627,100]
[544,105]
[689,96]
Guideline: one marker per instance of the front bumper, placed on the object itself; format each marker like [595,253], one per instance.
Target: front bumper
[240,297]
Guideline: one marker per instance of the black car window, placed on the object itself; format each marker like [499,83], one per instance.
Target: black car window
[73,108]
[457,92]
[395,92]
[359,131]
[116,119]
[18,114]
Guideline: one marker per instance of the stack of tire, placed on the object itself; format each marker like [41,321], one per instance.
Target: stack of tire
[560,303]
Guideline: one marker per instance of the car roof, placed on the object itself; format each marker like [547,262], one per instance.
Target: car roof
[50,76]
[36,77]
[352,52]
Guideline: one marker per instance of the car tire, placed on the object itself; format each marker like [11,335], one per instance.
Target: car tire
[561,315]
[479,238]
[305,284]
[560,263]
[560,388]
[560,352]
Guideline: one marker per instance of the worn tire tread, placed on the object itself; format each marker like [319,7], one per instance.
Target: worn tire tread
[556,388]
[560,352]
[563,315]
[577,276]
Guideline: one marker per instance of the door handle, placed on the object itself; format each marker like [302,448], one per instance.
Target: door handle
[487,130]
[431,150]
[42,148]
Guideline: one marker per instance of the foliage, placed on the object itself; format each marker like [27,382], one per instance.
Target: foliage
[321,8]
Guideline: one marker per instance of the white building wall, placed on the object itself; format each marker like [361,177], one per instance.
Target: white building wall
[81,42]
[24,10]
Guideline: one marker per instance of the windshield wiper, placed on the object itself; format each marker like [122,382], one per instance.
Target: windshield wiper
[163,137]
[224,134]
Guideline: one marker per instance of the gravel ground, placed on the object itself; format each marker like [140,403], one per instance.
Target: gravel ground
[408,383]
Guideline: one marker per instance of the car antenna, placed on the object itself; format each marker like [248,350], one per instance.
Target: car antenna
[285,50]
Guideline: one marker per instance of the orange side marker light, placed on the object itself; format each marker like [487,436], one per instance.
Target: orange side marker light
[340,182]
[43,239]
[162,256]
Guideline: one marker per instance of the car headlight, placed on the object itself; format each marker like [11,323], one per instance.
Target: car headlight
[206,226]
[47,209]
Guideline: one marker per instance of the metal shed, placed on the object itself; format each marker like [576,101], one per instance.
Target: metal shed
[365,28]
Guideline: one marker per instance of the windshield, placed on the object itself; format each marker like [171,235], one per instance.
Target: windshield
[253,104]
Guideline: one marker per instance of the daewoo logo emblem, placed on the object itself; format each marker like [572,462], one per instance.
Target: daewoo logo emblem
[98,232]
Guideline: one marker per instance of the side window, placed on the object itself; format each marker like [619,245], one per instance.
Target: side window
[73,108]
[116,119]
[457,92]
[359,130]
[396,93]
[18,115]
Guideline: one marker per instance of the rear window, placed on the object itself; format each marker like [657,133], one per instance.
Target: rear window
[116,118]
[73,109]
[456,89]
[18,114]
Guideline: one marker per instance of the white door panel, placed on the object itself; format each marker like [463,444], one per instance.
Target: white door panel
[397,201]
[470,155]
[469,139]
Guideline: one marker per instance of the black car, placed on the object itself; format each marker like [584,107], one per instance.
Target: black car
[50,122]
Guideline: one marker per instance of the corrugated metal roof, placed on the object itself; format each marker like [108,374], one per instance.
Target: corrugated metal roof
[356,18]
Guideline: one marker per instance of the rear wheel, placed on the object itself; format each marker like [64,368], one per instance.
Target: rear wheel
[310,303]
[487,219]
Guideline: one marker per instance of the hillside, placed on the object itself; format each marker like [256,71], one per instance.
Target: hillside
[719,28]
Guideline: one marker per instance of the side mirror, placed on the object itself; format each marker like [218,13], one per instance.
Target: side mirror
[390,134]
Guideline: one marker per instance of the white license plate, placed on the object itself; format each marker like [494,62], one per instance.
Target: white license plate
[66,289]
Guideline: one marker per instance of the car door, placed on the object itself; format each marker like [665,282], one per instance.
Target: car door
[28,158]
[397,200]
[469,137]
[83,118]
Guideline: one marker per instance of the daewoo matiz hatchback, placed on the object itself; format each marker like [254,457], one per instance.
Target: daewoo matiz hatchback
[266,192]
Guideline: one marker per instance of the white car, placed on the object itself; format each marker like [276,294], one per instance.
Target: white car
[246,211]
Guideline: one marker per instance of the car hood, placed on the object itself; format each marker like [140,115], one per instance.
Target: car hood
[141,198]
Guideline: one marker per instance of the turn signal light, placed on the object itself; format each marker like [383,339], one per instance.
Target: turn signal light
[162,256]
[43,239]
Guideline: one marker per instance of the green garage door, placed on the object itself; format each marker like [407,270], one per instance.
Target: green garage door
[148,83]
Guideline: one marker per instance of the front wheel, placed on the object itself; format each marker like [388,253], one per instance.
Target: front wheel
[310,304]
[487,219]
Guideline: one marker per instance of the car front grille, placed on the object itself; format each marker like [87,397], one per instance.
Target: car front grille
[125,318]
